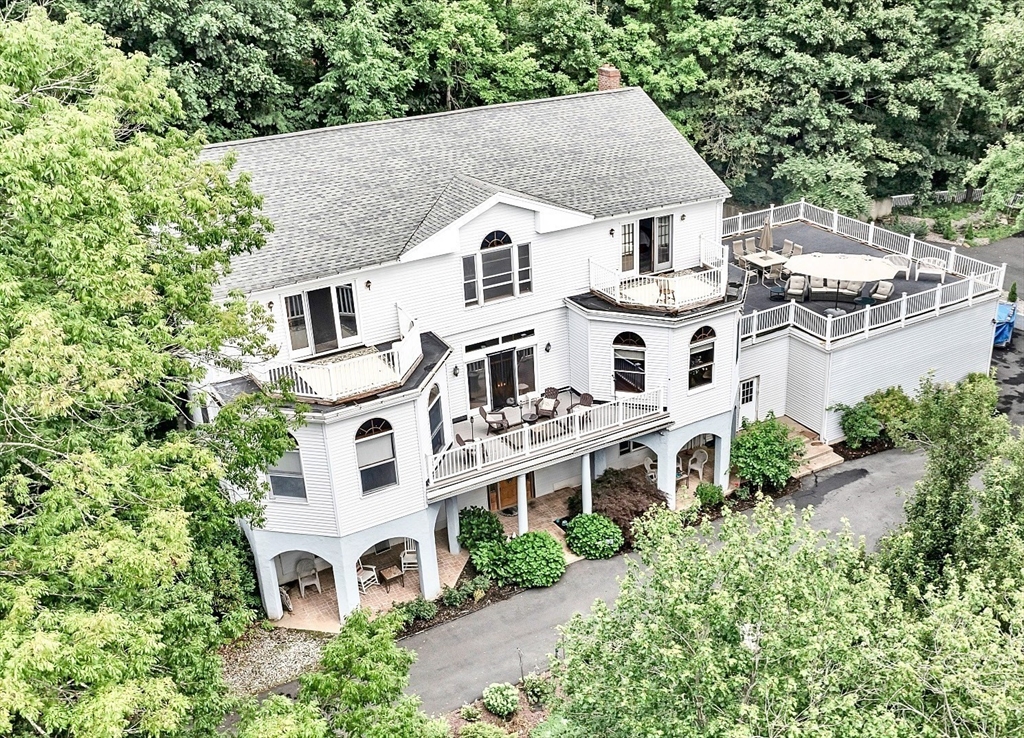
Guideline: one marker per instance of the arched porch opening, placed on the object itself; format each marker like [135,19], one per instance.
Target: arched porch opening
[389,572]
[703,458]
[308,591]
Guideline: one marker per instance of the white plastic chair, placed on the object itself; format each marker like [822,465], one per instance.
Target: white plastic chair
[931,265]
[409,560]
[366,576]
[697,462]
[900,261]
[651,467]
[308,576]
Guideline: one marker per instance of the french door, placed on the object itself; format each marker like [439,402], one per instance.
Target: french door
[501,377]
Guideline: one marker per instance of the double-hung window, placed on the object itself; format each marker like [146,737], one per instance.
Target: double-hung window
[321,320]
[702,357]
[286,478]
[375,455]
[500,269]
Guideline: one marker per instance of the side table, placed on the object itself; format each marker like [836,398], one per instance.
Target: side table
[391,574]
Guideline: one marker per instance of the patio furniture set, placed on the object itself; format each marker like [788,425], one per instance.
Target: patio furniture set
[544,406]
[696,464]
[367,576]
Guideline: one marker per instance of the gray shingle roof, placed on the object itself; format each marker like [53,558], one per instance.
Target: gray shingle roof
[354,196]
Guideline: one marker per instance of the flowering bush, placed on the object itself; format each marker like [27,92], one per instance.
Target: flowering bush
[593,536]
[502,699]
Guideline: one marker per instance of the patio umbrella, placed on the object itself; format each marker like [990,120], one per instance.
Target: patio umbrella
[766,237]
[850,267]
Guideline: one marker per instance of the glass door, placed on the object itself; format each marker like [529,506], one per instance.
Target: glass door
[501,368]
[646,246]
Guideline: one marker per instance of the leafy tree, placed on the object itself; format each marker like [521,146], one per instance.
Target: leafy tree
[830,181]
[356,692]
[1001,172]
[1002,56]
[777,629]
[118,574]
[763,453]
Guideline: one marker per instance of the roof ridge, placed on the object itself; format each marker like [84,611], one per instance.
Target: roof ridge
[426,213]
[365,124]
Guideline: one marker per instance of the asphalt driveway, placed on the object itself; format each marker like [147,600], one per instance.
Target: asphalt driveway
[500,643]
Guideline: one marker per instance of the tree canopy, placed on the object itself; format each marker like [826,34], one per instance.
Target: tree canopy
[120,569]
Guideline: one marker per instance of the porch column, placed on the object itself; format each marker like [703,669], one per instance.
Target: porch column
[266,575]
[667,472]
[722,448]
[426,557]
[588,501]
[600,462]
[451,513]
[524,520]
[345,584]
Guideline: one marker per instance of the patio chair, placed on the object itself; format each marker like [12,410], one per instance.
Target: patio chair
[471,448]
[496,422]
[883,291]
[366,576]
[787,248]
[931,265]
[308,576]
[586,400]
[903,262]
[551,393]
[737,252]
[666,295]
[750,245]
[651,467]
[408,558]
[697,462]
[774,274]
[796,288]
[797,249]
[817,284]
[546,407]
[849,289]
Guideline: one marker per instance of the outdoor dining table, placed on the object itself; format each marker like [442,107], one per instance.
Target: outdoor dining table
[765,259]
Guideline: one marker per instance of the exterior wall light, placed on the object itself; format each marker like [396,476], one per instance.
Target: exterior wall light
[611,231]
[547,348]
[455,371]
[270,305]
[682,216]
[368,284]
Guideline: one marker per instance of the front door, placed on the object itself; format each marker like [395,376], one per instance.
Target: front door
[748,399]
[505,494]
[503,378]
[646,246]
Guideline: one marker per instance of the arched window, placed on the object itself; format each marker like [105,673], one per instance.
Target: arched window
[499,270]
[375,455]
[629,361]
[286,478]
[496,238]
[702,357]
[435,415]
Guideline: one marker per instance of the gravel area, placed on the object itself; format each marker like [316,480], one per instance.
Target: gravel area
[262,659]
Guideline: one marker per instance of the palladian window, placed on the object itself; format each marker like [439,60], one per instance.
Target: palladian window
[500,269]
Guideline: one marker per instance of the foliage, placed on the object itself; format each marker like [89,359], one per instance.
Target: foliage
[123,570]
[763,453]
[709,494]
[828,651]
[488,558]
[501,699]
[831,181]
[1001,172]
[916,228]
[417,609]
[892,406]
[483,730]
[622,496]
[959,429]
[470,713]
[453,596]
[280,717]
[538,688]
[477,525]
[1002,56]
[593,536]
[1012,295]
[534,559]
[859,422]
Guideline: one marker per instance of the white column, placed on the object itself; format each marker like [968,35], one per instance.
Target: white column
[266,575]
[588,500]
[667,472]
[722,448]
[346,585]
[600,462]
[426,557]
[524,520]
[451,513]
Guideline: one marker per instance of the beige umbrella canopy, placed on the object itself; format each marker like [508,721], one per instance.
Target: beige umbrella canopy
[851,267]
[766,242]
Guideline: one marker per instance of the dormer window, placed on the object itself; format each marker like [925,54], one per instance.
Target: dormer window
[321,320]
[499,270]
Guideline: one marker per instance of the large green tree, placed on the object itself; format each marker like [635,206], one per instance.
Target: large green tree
[118,573]
[775,629]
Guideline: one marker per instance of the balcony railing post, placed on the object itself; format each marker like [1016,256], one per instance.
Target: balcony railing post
[910,249]
[903,310]
[835,220]
[479,448]
[951,259]
[828,332]
[771,215]
[801,208]
[753,332]
[527,450]
[970,289]
[871,233]
[938,298]
[867,319]
[618,412]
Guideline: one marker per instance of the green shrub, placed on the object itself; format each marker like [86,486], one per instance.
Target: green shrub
[483,730]
[418,609]
[488,557]
[892,407]
[859,422]
[502,699]
[593,536]
[969,231]
[534,559]
[764,454]
[709,494]
[555,726]
[917,228]
[480,583]
[622,496]
[477,526]
[537,688]
[453,597]
[1012,297]
[470,713]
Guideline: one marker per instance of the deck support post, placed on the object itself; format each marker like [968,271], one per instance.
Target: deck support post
[586,492]
[524,518]
[451,513]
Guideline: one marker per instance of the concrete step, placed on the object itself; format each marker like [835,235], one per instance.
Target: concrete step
[818,463]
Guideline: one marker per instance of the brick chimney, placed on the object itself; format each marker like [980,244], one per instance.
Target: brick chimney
[608,77]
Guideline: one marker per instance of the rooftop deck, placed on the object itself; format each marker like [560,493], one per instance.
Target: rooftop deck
[824,231]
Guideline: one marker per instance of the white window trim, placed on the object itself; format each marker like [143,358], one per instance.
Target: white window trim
[516,291]
[394,460]
[290,500]
[482,354]
[343,343]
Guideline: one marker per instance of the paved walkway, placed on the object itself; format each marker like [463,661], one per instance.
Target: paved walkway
[499,643]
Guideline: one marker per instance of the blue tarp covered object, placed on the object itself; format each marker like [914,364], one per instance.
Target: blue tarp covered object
[1005,317]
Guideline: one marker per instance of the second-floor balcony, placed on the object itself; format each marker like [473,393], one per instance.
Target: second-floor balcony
[348,375]
[575,432]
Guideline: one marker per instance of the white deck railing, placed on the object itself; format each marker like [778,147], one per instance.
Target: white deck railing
[336,381]
[861,323]
[667,292]
[544,437]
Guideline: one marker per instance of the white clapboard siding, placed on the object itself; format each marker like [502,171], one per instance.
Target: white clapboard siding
[688,406]
[951,345]
[769,362]
[601,352]
[703,219]
[316,515]
[579,351]
[356,511]
[805,389]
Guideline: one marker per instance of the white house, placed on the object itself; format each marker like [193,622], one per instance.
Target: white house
[427,271]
